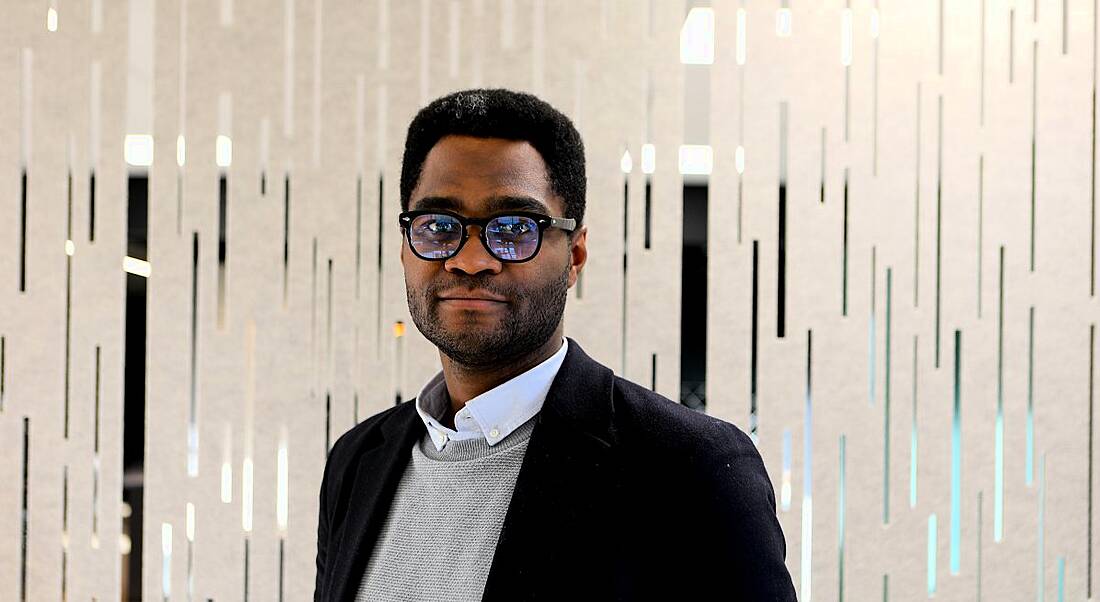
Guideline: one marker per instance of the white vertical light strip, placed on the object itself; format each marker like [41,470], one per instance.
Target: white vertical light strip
[783,22]
[181,140]
[138,150]
[227,483]
[137,267]
[453,32]
[626,164]
[139,72]
[227,467]
[360,119]
[846,37]
[51,16]
[697,37]
[97,16]
[479,44]
[806,542]
[318,29]
[739,159]
[696,159]
[226,13]
[425,48]
[96,110]
[249,424]
[223,145]
[380,139]
[288,69]
[181,150]
[649,159]
[507,23]
[785,487]
[538,47]
[246,495]
[281,482]
[648,87]
[166,555]
[26,105]
[192,448]
[741,42]
[874,23]
[190,522]
[383,34]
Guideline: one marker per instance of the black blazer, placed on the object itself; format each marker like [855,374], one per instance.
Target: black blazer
[622,495]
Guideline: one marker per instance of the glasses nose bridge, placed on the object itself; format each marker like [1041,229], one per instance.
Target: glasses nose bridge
[478,238]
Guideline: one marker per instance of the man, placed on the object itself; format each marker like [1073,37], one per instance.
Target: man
[526,470]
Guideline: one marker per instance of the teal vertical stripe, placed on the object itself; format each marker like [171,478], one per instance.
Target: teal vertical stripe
[1040,569]
[979,553]
[931,554]
[807,479]
[1029,463]
[1061,579]
[956,461]
[886,413]
[785,486]
[841,485]
[871,363]
[999,426]
[913,435]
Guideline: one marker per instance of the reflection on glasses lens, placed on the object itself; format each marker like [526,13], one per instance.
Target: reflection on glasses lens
[510,237]
[435,236]
[513,237]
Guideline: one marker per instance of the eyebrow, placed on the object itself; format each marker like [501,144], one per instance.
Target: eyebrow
[491,204]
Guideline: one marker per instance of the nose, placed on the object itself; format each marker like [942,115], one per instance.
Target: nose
[473,257]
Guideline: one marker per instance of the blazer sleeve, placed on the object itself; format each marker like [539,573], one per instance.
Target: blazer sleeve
[323,512]
[746,541]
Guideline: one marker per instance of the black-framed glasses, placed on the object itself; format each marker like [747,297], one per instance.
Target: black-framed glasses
[512,237]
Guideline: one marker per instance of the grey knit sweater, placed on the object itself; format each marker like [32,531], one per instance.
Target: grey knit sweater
[437,542]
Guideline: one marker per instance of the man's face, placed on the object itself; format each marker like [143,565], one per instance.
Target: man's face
[476,177]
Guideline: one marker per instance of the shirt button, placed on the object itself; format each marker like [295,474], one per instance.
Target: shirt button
[493,433]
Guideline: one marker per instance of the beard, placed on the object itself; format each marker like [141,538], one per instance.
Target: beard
[530,318]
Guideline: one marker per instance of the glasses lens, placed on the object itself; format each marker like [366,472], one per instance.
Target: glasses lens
[435,236]
[513,237]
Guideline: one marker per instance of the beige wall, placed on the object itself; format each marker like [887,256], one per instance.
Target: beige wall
[322,91]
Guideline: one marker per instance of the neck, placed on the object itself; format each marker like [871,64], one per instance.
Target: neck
[465,383]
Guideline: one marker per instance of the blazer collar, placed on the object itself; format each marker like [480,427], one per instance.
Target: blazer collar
[572,436]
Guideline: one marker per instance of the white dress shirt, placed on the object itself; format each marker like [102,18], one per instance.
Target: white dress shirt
[493,414]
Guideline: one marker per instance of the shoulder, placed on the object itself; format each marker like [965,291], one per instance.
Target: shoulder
[710,464]
[353,441]
[343,456]
[646,419]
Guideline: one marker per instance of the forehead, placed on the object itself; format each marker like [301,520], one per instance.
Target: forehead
[484,175]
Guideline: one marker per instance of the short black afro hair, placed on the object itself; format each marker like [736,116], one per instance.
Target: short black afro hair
[501,113]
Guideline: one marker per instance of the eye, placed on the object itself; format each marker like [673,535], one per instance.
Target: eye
[513,226]
[442,227]
[439,226]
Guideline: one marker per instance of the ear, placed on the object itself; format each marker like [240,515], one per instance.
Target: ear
[578,254]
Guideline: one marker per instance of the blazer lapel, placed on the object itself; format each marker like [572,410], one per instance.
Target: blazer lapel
[380,468]
[562,490]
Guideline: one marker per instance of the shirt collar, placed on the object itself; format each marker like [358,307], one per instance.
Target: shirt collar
[495,413]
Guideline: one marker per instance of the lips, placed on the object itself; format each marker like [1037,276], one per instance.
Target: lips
[472,301]
[472,296]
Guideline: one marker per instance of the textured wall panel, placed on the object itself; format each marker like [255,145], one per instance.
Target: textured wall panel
[910,186]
